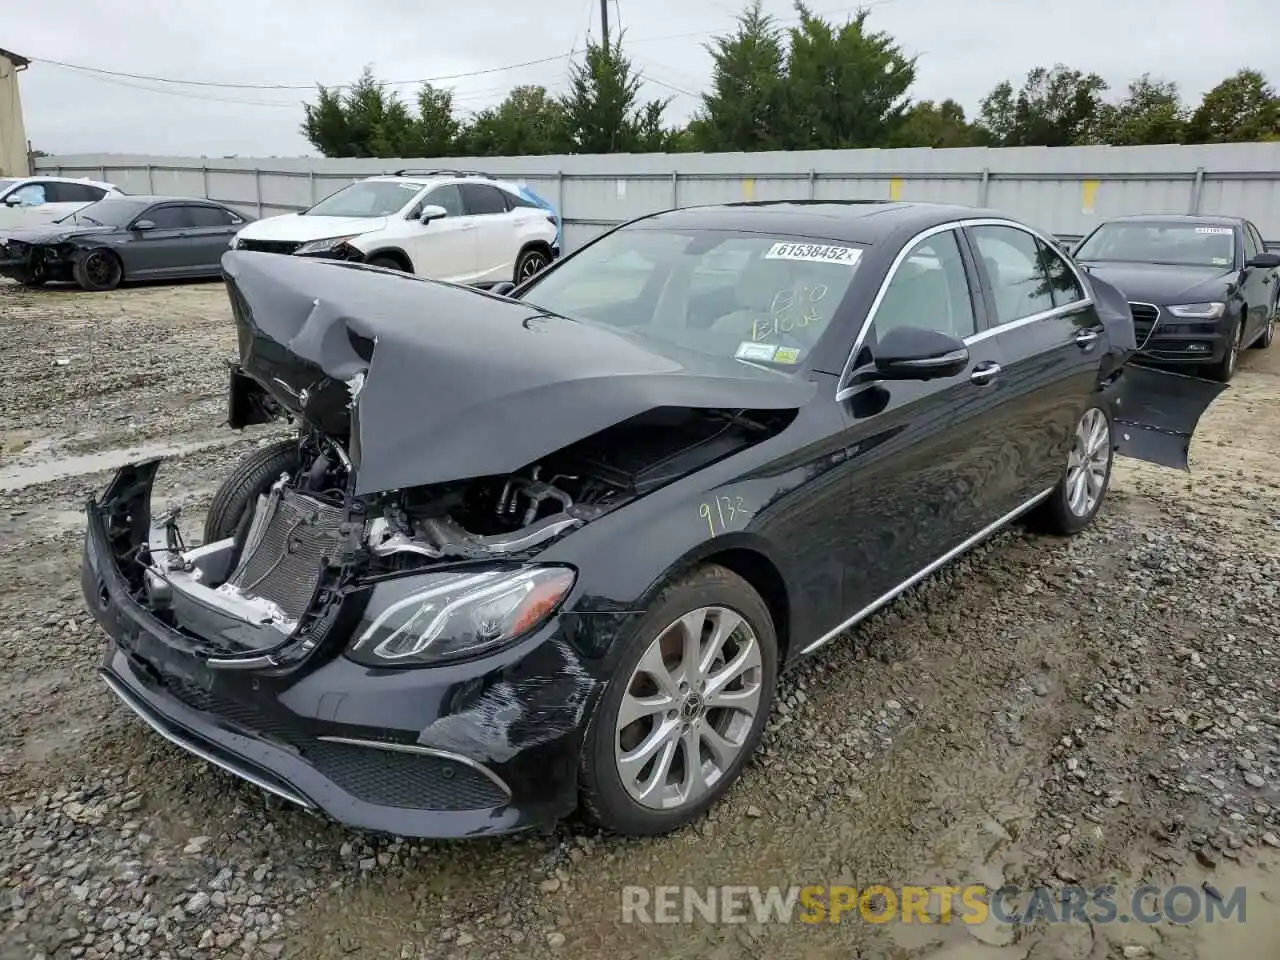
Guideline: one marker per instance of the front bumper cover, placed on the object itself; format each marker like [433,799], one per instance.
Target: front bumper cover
[471,749]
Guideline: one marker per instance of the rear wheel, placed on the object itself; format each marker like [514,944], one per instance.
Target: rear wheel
[531,263]
[98,270]
[252,476]
[685,708]
[1076,499]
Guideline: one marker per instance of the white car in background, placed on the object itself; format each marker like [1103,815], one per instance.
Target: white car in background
[28,201]
[451,225]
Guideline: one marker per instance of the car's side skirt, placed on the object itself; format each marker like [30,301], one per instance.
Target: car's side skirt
[915,578]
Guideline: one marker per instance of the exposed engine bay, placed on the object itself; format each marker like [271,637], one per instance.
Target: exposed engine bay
[309,528]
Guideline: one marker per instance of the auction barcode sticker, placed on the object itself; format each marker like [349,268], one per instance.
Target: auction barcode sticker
[1217,230]
[813,252]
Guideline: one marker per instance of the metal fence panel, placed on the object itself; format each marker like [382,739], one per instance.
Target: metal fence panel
[1066,190]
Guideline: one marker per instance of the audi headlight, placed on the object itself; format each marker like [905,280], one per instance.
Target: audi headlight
[450,616]
[1198,311]
[323,246]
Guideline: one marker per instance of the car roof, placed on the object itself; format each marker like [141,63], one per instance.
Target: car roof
[144,199]
[431,177]
[93,183]
[853,221]
[1175,218]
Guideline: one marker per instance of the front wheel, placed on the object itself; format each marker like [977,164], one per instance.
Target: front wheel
[685,708]
[1269,324]
[98,270]
[1076,499]
[1225,369]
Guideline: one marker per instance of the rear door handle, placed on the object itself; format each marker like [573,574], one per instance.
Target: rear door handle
[984,373]
[1085,339]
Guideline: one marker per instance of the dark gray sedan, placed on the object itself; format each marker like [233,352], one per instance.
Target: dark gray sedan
[121,239]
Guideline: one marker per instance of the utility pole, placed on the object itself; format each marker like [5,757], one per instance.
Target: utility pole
[604,23]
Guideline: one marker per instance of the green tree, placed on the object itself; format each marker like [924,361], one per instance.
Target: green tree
[746,106]
[927,124]
[602,109]
[528,122]
[1151,112]
[437,128]
[1054,108]
[1242,108]
[846,86]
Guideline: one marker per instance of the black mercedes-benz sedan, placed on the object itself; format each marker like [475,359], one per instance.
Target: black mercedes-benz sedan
[121,239]
[548,549]
[1201,288]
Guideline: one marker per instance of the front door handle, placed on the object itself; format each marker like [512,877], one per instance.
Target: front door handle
[984,373]
[1085,339]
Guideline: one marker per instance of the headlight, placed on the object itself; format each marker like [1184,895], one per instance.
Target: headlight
[1198,311]
[234,242]
[323,246]
[448,616]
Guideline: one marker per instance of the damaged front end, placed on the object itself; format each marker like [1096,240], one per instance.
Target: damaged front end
[369,628]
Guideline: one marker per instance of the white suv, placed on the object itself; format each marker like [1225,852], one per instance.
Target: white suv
[444,224]
[28,201]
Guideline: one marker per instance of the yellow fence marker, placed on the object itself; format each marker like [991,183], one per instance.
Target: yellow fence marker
[1090,191]
[749,188]
[895,188]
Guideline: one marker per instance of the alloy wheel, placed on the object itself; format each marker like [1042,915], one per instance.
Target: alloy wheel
[100,268]
[531,265]
[1087,462]
[688,708]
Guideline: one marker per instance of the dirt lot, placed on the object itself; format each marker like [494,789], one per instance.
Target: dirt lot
[1043,712]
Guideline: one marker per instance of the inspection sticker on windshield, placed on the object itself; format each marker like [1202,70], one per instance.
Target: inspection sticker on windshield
[814,252]
[756,351]
[1217,230]
[787,355]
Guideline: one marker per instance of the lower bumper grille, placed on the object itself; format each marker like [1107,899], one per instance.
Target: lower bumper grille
[290,540]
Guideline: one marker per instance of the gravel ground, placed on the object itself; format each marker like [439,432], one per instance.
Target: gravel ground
[1051,712]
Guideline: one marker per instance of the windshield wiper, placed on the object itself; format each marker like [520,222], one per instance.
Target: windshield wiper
[96,223]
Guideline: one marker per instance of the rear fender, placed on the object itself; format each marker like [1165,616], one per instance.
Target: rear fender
[1156,413]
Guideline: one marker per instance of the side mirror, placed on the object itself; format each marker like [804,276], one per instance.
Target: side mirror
[144,225]
[503,288]
[12,201]
[431,212]
[914,353]
[1264,261]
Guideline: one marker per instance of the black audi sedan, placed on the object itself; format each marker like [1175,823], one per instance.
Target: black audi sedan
[122,239]
[548,550]
[1201,288]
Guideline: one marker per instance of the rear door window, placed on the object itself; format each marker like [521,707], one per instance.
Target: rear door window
[171,218]
[482,198]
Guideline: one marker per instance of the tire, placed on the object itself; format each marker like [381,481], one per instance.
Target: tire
[98,270]
[36,277]
[530,263]
[1060,513]
[386,263]
[1225,369]
[1269,327]
[606,799]
[253,475]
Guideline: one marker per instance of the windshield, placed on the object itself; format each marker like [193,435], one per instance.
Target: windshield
[1176,244]
[755,297]
[106,213]
[6,182]
[369,198]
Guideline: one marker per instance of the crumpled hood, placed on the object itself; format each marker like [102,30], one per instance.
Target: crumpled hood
[451,383]
[294,226]
[53,233]
[1162,284]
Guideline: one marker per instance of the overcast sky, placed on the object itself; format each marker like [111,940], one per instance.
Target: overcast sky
[964,49]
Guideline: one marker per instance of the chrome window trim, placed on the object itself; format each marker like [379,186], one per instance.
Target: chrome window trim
[843,392]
